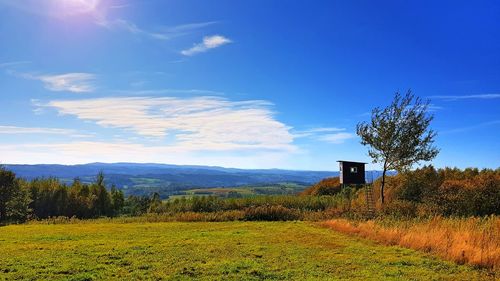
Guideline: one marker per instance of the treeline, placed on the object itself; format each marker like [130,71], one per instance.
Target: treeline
[49,198]
[21,200]
[446,192]
[424,192]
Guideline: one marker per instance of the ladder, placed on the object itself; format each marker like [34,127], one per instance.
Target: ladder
[370,201]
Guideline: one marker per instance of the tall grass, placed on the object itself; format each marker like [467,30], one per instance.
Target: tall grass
[214,204]
[473,241]
[255,213]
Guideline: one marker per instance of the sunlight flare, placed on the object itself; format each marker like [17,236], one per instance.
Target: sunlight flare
[74,7]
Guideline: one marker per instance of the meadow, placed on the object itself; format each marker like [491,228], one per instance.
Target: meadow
[115,250]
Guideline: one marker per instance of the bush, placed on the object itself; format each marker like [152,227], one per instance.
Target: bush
[209,217]
[400,209]
[271,213]
[446,192]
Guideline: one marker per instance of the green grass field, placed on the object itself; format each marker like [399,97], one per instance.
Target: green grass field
[243,191]
[209,251]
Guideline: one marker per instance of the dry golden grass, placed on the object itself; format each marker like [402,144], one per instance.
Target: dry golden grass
[473,241]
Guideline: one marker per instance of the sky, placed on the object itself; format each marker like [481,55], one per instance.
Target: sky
[247,84]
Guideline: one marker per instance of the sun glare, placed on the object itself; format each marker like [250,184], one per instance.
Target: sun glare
[73,7]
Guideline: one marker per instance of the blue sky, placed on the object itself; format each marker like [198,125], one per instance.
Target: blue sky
[251,84]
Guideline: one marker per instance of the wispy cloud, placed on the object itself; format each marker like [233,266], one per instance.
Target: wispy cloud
[165,33]
[471,128]
[98,12]
[433,108]
[120,6]
[326,134]
[185,29]
[121,24]
[76,82]
[209,42]
[316,131]
[336,138]
[15,130]
[170,92]
[466,97]
[13,63]
[196,123]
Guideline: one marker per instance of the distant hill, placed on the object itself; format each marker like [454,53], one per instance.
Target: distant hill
[135,178]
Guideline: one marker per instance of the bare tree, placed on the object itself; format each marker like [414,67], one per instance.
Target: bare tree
[399,135]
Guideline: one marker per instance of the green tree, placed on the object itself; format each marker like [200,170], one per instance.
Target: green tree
[14,198]
[80,200]
[117,200]
[136,205]
[102,203]
[399,135]
[50,197]
[155,203]
[7,189]
[18,207]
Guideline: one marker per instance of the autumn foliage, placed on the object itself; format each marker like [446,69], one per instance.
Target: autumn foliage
[328,186]
[428,192]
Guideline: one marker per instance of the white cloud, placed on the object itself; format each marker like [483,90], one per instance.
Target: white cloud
[463,97]
[91,151]
[30,130]
[209,42]
[197,123]
[75,82]
[72,82]
[15,130]
[336,138]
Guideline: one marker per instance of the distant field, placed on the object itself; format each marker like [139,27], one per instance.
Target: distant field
[209,251]
[245,191]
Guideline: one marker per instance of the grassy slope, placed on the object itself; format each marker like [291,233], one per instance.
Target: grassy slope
[229,250]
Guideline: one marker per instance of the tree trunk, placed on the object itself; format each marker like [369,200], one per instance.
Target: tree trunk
[383,184]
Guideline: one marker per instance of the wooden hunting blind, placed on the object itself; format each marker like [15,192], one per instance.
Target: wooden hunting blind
[352,173]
